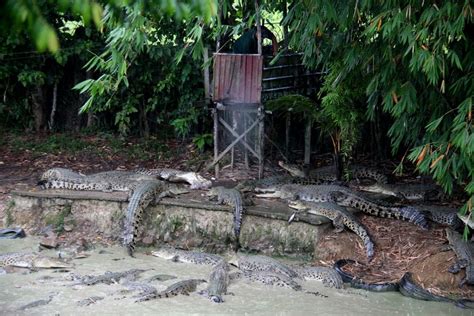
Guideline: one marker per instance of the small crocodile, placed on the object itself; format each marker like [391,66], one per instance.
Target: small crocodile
[340,217]
[186,256]
[259,185]
[359,283]
[328,276]
[266,277]
[31,260]
[262,263]
[346,197]
[465,256]
[218,282]
[143,195]
[182,287]
[195,180]
[110,277]
[409,288]
[230,197]
[328,173]
[426,192]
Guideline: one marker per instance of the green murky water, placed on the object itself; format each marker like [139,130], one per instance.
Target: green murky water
[19,289]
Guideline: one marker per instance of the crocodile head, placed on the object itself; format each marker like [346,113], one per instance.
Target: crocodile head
[299,205]
[287,191]
[165,252]
[467,219]
[43,262]
[292,169]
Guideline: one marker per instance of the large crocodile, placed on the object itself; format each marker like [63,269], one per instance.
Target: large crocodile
[340,217]
[262,263]
[266,277]
[426,192]
[358,283]
[345,197]
[327,275]
[182,287]
[31,260]
[186,256]
[409,288]
[465,256]
[142,196]
[328,173]
[230,197]
[218,282]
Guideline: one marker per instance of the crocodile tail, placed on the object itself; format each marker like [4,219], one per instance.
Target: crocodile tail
[413,215]
[359,283]
[140,199]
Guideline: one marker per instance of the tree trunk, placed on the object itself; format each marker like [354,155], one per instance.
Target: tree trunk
[38,98]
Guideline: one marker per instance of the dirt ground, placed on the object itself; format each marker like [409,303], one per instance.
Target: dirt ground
[400,246]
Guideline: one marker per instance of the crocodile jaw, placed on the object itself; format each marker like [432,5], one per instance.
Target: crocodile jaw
[164,253]
[275,194]
[50,263]
[297,205]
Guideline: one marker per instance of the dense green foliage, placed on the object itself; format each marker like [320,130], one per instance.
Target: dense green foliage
[415,60]
[411,61]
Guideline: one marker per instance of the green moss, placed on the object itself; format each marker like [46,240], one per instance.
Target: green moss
[58,220]
[8,213]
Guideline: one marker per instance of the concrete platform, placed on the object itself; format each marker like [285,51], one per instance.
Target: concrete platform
[189,220]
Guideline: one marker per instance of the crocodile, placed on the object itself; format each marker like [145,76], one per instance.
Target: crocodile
[218,282]
[31,260]
[230,197]
[260,185]
[359,283]
[345,197]
[328,276]
[143,195]
[465,256]
[110,277]
[195,180]
[185,256]
[408,287]
[265,277]
[262,263]
[328,173]
[340,217]
[426,192]
[182,287]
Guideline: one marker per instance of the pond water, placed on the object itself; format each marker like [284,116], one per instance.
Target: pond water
[19,289]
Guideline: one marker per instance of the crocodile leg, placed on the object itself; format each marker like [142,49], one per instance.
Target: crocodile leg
[338,224]
[456,267]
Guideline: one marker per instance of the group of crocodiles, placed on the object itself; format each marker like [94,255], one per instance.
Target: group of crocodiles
[319,194]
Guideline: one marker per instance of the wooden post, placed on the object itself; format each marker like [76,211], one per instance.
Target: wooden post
[215,115]
[260,135]
[307,146]
[287,134]
[246,152]
[259,28]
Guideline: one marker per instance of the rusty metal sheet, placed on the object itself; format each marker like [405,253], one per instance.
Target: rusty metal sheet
[237,78]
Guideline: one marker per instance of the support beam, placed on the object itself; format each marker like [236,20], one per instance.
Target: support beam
[216,142]
[307,145]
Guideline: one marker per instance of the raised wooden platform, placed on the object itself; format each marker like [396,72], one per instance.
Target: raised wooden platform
[187,219]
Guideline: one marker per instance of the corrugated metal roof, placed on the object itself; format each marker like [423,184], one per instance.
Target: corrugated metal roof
[237,78]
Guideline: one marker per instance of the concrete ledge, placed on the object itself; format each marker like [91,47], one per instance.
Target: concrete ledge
[187,220]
